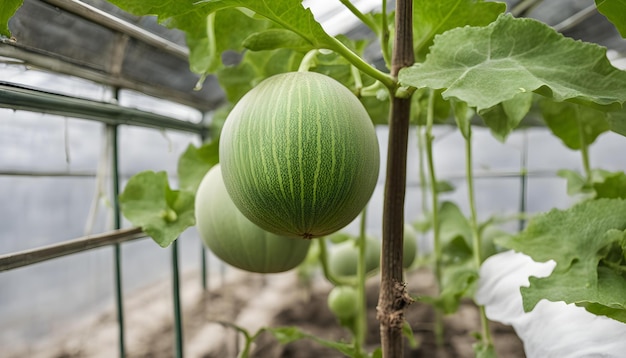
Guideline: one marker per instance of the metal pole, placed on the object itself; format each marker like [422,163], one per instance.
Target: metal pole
[178,326]
[203,254]
[203,267]
[28,257]
[523,179]
[117,254]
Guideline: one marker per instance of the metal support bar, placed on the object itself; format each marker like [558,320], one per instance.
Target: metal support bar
[33,256]
[30,173]
[576,19]
[203,267]
[523,180]
[22,98]
[117,222]
[203,251]
[37,58]
[178,318]
[112,22]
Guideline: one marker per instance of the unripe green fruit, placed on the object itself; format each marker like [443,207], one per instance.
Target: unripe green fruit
[235,239]
[343,257]
[342,301]
[299,155]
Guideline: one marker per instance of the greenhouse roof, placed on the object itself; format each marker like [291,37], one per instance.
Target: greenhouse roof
[93,39]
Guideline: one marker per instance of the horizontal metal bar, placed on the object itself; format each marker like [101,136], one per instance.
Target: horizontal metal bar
[107,20]
[17,97]
[492,175]
[24,173]
[29,257]
[51,62]
[576,19]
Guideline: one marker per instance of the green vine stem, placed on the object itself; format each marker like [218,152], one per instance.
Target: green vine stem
[336,281]
[421,152]
[384,34]
[373,90]
[433,185]
[358,82]
[212,47]
[361,318]
[308,60]
[366,68]
[364,19]
[485,337]
[435,211]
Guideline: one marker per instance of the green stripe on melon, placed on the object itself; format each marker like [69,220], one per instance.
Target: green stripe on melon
[299,155]
[235,239]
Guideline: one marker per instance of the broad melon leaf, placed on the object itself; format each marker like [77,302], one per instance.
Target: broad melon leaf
[551,329]
[615,11]
[607,296]
[162,213]
[436,17]
[290,14]
[195,162]
[582,241]
[574,123]
[484,66]
[7,10]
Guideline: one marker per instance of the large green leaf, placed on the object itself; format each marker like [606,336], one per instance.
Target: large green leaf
[615,11]
[484,66]
[576,125]
[289,14]
[587,243]
[436,17]
[7,10]
[195,162]
[163,213]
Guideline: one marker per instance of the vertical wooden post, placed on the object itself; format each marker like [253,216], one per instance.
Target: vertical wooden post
[393,297]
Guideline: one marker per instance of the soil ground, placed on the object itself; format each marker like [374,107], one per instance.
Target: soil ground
[253,301]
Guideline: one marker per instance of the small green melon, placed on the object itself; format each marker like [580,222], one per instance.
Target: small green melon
[235,239]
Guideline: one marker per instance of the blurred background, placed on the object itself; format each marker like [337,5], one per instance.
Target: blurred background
[56,180]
